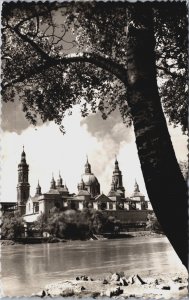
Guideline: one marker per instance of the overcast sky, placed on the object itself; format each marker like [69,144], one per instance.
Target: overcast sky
[48,150]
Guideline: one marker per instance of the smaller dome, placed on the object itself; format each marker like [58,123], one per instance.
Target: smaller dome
[83,193]
[137,194]
[114,194]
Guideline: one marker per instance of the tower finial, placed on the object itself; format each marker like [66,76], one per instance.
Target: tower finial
[38,189]
[60,181]
[23,156]
[87,167]
[53,183]
[136,187]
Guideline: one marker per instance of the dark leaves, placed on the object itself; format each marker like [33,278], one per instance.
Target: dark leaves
[68,27]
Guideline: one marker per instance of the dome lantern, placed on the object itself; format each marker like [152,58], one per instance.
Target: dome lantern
[87,167]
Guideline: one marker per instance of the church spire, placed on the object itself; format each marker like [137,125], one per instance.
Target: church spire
[117,184]
[136,187]
[59,181]
[53,183]
[38,189]
[116,168]
[87,167]
[23,157]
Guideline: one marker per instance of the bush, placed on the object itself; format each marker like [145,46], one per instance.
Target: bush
[153,224]
[12,226]
[73,224]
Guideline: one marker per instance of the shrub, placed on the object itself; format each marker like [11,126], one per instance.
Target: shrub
[12,226]
[153,224]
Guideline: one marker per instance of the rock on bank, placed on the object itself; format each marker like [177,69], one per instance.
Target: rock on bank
[118,285]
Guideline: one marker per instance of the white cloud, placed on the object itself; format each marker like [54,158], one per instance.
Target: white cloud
[49,151]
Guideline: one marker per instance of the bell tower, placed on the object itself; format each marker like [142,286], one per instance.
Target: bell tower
[23,187]
[117,183]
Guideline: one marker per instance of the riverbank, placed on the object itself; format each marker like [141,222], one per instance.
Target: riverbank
[35,240]
[119,285]
[42,264]
[39,240]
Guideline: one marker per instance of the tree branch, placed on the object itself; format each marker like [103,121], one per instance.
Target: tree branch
[99,61]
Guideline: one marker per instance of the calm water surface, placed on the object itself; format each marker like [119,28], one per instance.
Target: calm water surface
[26,269]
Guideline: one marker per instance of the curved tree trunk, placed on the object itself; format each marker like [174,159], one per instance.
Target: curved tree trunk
[164,182]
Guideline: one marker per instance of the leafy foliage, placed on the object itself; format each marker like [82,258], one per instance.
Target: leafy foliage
[171,31]
[153,224]
[41,39]
[12,226]
[184,168]
[72,224]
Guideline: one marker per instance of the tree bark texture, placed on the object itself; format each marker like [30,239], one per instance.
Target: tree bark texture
[164,182]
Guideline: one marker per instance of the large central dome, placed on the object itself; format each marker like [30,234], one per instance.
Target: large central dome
[89,181]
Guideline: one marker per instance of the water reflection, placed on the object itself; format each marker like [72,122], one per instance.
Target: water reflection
[28,268]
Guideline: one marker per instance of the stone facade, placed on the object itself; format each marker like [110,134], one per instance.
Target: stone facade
[88,195]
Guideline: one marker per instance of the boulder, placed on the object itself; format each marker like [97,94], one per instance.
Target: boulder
[166,287]
[136,279]
[156,281]
[105,281]
[123,281]
[113,292]
[177,279]
[43,294]
[115,277]
[182,287]
[67,293]
[95,294]
[150,280]
[84,278]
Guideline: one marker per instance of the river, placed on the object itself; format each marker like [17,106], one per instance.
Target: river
[26,269]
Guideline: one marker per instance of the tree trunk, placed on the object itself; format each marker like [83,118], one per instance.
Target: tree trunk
[164,182]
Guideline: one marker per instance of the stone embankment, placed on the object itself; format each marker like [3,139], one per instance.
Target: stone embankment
[118,285]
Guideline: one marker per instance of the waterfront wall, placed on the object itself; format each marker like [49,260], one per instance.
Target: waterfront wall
[130,217]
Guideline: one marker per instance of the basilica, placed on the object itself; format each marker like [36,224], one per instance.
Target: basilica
[89,194]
